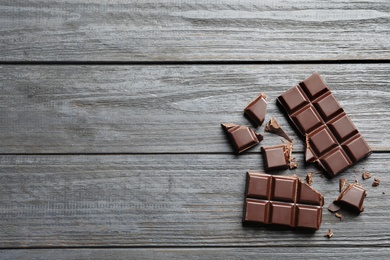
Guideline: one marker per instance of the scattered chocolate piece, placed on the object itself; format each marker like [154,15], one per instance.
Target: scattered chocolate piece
[352,197]
[333,140]
[282,200]
[376,182]
[338,215]
[256,109]
[277,157]
[342,183]
[309,178]
[383,192]
[333,207]
[366,175]
[242,137]
[273,127]
[329,234]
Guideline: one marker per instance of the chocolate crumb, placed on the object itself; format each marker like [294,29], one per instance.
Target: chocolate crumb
[329,234]
[366,175]
[376,182]
[342,183]
[333,207]
[309,178]
[338,215]
[273,127]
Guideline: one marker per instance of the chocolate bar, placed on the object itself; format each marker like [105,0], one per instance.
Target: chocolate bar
[256,109]
[332,140]
[242,137]
[281,200]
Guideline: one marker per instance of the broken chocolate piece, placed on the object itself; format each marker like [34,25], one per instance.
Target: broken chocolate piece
[333,141]
[309,178]
[352,197]
[242,137]
[277,157]
[281,200]
[339,215]
[256,109]
[329,234]
[366,175]
[273,127]
[342,183]
[376,182]
[333,207]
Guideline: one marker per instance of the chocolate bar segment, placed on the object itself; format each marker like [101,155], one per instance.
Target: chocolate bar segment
[275,157]
[256,109]
[281,200]
[352,197]
[242,137]
[332,140]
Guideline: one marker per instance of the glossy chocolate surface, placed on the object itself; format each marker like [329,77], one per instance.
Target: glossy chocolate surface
[256,109]
[281,200]
[275,157]
[242,137]
[332,139]
[352,197]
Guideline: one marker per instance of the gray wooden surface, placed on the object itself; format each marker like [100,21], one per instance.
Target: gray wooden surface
[110,112]
[188,30]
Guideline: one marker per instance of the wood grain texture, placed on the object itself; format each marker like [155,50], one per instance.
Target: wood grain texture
[172,30]
[173,109]
[200,253]
[164,200]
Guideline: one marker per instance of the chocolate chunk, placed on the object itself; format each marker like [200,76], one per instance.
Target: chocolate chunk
[309,178]
[366,175]
[352,197]
[329,234]
[281,200]
[339,215]
[273,127]
[256,109]
[376,182]
[242,137]
[277,157]
[333,141]
[333,207]
[342,183]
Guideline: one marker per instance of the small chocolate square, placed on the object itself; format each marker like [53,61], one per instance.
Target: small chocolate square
[256,109]
[275,157]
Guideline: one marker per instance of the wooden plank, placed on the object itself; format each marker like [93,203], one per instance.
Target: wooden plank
[171,30]
[174,109]
[200,253]
[164,200]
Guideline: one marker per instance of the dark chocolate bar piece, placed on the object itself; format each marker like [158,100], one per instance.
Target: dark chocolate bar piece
[256,109]
[275,157]
[281,200]
[242,137]
[332,140]
[352,197]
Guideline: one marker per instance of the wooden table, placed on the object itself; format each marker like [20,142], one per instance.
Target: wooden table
[111,145]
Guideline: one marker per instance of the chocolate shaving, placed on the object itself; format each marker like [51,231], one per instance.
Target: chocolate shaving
[333,207]
[376,182]
[292,162]
[273,127]
[329,234]
[366,175]
[342,183]
[338,215]
[309,178]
